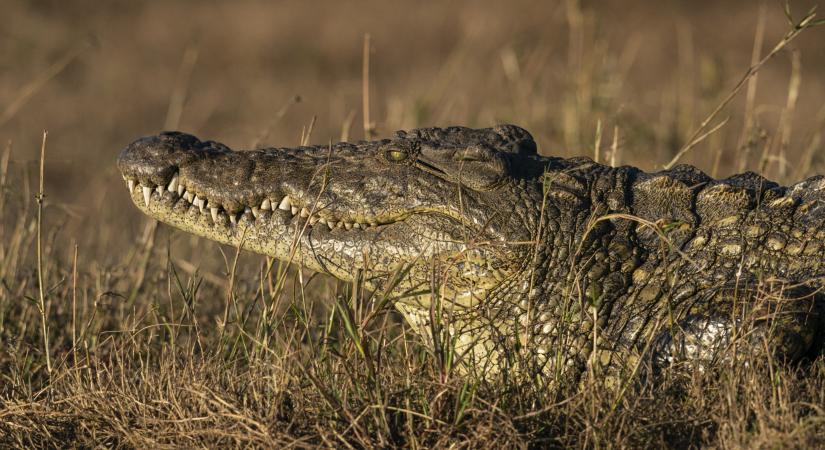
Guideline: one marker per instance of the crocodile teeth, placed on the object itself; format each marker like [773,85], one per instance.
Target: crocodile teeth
[214,212]
[233,219]
[356,225]
[348,225]
[147,194]
[256,212]
[131,185]
[160,190]
[266,205]
[173,185]
[294,210]
[285,204]
[188,196]
[199,202]
[313,220]
[304,212]
[181,190]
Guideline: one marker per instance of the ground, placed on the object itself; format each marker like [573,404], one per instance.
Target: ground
[160,339]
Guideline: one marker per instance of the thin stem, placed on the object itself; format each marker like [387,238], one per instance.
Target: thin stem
[369,127]
[42,306]
[176,101]
[699,134]
[74,306]
[750,97]
[230,287]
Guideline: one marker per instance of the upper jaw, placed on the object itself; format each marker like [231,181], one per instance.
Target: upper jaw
[227,186]
[175,174]
[177,192]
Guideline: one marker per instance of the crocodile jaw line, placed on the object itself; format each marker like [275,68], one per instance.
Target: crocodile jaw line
[281,228]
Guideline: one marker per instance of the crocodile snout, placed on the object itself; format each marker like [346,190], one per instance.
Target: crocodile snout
[155,159]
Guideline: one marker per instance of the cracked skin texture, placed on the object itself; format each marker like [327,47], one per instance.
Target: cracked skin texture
[568,263]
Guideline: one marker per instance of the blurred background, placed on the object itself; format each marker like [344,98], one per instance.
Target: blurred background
[644,75]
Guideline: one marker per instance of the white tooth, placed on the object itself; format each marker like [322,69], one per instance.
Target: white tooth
[131,185]
[328,225]
[247,210]
[256,212]
[188,196]
[199,202]
[266,204]
[285,204]
[233,219]
[356,225]
[160,190]
[304,212]
[347,225]
[173,185]
[214,212]
[313,220]
[147,194]
[294,210]
[181,189]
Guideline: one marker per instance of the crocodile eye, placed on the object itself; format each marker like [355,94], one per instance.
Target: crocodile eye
[396,155]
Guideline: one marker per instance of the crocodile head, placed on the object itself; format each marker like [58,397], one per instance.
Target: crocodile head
[429,201]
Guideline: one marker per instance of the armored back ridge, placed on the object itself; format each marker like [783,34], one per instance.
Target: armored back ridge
[570,261]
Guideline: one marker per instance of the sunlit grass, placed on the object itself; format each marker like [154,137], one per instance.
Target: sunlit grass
[143,347]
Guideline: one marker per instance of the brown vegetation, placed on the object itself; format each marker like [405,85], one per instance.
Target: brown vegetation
[112,328]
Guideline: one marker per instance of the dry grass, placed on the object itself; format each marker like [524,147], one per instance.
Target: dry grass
[157,339]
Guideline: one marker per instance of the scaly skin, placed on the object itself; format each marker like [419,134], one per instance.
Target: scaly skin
[575,263]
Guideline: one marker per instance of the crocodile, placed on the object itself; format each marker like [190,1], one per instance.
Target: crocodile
[539,264]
